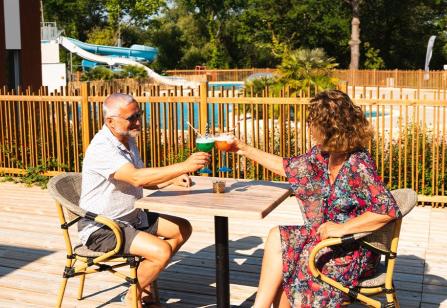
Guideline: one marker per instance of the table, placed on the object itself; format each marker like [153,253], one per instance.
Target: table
[248,199]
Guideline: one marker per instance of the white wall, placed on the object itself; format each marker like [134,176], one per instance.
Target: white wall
[50,52]
[54,75]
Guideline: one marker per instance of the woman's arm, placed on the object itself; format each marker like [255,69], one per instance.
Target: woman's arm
[368,221]
[270,161]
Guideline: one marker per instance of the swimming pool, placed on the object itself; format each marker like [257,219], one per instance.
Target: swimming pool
[373,114]
[227,85]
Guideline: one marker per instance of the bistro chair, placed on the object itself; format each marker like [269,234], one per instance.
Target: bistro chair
[384,241]
[66,189]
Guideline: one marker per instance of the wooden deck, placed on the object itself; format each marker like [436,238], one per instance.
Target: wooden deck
[32,258]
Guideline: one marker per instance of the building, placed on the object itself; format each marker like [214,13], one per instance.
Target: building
[20,53]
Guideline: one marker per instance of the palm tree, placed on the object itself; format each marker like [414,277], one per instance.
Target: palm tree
[305,69]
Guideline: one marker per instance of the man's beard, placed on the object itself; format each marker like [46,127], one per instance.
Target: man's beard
[129,133]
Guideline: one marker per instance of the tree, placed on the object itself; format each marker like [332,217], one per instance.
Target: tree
[215,14]
[75,17]
[300,24]
[79,17]
[307,68]
[355,34]
[401,31]
[372,58]
[180,37]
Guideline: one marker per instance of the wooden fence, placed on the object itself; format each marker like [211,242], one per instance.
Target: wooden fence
[51,132]
[372,78]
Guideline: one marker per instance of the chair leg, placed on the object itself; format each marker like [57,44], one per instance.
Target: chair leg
[133,286]
[396,301]
[154,291]
[391,301]
[133,262]
[60,295]
[81,286]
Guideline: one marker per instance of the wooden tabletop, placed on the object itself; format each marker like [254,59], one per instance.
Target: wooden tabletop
[242,198]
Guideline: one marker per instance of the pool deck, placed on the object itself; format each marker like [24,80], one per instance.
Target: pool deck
[32,258]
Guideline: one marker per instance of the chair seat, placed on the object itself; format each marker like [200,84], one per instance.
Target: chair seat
[83,251]
[377,280]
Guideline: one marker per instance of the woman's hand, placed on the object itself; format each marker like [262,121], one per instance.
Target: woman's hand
[237,146]
[183,180]
[331,229]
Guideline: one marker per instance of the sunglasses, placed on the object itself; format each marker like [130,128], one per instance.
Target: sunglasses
[133,118]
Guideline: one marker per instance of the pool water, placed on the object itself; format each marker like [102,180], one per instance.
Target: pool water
[226,85]
[373,114]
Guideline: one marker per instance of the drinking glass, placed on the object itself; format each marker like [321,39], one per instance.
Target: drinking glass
[223,143]
[205,144]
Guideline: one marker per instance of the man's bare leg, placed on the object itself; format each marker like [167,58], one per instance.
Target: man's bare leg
[156,253]
[175,231]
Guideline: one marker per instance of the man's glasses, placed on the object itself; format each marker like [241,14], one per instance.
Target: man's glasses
[133,118]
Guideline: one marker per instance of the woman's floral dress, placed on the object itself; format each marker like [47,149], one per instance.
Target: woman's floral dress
[357,189]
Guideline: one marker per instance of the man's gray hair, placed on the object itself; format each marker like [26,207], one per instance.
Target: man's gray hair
[114,102]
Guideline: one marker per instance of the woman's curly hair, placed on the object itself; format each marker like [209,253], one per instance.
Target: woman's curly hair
[336,123]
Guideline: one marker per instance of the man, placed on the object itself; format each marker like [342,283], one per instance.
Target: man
[112,179]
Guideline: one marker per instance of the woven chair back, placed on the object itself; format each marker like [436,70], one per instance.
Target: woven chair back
[66,189]
[381,239]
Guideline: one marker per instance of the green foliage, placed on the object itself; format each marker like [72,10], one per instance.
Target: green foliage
[98,73]
[180,38]
[181,155]
[253,33]
[258,86]
[306,68]
[402,31]
[75,17]
[35,175]
[131,71]
[103,73]
[372,58]
[418,165]
[102,36]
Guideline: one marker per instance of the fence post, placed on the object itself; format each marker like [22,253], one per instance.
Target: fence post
[85,116]
[203,112]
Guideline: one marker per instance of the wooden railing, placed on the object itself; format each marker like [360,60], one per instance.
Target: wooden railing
[372,78]
[54,130]
[220,74]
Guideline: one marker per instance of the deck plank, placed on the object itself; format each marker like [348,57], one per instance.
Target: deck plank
[32,258]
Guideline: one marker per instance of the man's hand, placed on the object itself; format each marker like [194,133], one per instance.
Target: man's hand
[196,161]
[184,180]
[330,229]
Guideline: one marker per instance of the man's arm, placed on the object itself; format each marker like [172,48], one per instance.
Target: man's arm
[154,176]
[183,180]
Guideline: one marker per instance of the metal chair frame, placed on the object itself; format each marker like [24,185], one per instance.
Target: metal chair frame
[384,241]
[65,189]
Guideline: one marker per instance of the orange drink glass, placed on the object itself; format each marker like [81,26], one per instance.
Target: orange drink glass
[224,142]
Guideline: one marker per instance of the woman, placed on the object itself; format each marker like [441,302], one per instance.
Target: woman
[339,192]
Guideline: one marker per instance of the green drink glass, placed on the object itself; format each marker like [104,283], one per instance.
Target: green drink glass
[205,144]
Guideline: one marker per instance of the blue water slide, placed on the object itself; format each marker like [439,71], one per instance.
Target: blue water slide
[135,52]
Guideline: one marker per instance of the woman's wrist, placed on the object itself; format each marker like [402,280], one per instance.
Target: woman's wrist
[243,148]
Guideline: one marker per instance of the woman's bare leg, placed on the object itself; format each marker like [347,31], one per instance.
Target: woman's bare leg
[281,300]
[271,271]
